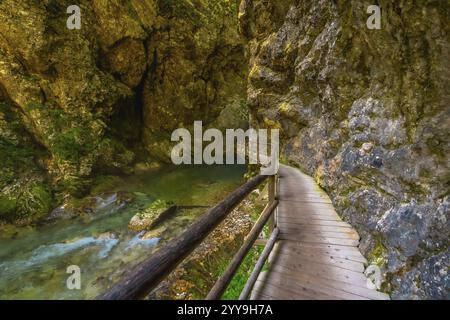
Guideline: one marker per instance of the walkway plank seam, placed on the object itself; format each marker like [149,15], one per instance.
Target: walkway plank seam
[316,255]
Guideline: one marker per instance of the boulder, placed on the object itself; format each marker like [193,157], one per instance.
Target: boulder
[152,216]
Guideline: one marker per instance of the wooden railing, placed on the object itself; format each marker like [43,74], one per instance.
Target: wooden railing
[145,276]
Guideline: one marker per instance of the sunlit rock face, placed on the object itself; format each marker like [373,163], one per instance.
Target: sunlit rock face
[367,113]
[92,100]
[197,71]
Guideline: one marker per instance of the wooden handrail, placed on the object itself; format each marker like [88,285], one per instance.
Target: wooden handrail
[266,217]
[259,265]
[221,284]
[146,275]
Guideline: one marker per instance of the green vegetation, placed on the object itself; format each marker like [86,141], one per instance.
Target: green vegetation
[73,144]
[245,269]
[179,9]
[67,142]
[242,111]
[378,254]
[36,199]
[24,194]
[240,279]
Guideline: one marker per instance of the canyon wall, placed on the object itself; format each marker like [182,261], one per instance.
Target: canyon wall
[366,112]
[78,103]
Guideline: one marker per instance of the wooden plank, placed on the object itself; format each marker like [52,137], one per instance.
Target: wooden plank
[337,248]
[293,209]
[258,295]
[301,215]
[318,229]
[319,239]
[323,284]
[320,291]
[300,266]
[303,194]
[332,234]
[313,227]
[310,207]
[307,201]
[303,219]
[342,276]
[309,254]
[263,288]
[287,292]
[350,251]
[352,256]
[264,297]
[316,256]
[287,195]
[307,221]
[326,260]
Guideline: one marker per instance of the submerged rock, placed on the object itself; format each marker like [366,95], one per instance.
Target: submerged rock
[151,216]
[155,233]
[91,205]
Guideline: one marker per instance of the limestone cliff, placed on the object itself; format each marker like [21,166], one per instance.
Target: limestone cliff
[78,103]
[367,113]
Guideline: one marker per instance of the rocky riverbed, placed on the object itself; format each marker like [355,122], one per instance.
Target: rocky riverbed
[96,237]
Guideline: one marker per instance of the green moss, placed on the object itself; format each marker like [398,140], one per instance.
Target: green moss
[179,9]
[378,254]
[69,138]
[7,207]
[36,201]
[75,186]
[73,144]
[240,279]
[26,202]
[105,183]
[201,12]
[24,194]
[242,111]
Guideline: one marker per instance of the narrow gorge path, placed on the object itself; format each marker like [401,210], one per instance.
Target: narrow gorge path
[316,255]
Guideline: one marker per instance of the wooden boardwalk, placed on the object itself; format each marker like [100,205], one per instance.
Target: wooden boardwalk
[316,255]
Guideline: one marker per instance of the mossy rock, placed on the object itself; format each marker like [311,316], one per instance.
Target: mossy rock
[75,186]
[26,202]
[378,254]
[7,207]
[37,201]
[156,213]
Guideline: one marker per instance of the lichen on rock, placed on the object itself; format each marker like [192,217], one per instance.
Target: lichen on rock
[366,113]
[151,216]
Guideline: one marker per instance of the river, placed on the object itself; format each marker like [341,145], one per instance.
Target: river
[34,260]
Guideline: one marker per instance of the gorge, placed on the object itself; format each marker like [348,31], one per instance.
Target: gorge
[364,111]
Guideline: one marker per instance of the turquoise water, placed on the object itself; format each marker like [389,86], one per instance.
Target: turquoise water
[34,260]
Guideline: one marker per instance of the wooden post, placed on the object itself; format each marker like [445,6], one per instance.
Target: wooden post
[223,282]
[272,195]
[259,265]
